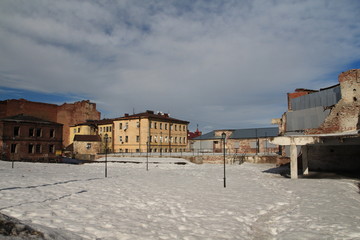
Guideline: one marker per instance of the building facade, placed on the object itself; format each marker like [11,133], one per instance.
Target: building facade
[67,114]
[149,132]
[26,138]
[242,141]
[322,127]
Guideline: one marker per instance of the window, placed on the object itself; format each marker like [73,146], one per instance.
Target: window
[155,125]
[38,148]
[110,129]
[165,126]
[137,124]
[137,138]
[126,138]
[120,125]
[31,148]
[150,139]
[155,138]
[120,139]
[88,145]
[160,125]
[78,130]
[13,148]
[52,133]
[74,130]
[51,149]
[31,132]
[137,150]
[175,139]
[166,139]
[107,129]
[175,127]
[38,132]
[16,131]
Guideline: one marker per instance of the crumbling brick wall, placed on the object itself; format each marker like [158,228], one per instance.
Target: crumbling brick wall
[344,116]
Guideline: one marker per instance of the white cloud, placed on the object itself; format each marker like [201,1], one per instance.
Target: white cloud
[209,61]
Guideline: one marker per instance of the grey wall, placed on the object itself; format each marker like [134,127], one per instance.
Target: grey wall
[306,118]
[324,98]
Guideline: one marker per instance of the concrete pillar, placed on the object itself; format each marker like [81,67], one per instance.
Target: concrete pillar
[293,161]
[305,159]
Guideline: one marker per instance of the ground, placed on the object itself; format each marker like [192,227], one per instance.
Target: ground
[171,201]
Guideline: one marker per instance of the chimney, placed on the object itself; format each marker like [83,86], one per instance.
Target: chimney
[126,114]
[149,112]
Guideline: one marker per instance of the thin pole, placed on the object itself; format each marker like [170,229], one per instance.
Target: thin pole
[106,140]
[147,156]
[224,165]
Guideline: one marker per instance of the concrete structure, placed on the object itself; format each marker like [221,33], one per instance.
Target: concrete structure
[67,114]
[326,125]
[242,141]
[27,138]
[149,131]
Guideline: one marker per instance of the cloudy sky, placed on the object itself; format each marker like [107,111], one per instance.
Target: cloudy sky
[219,64]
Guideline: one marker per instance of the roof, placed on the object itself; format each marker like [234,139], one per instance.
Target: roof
[87,138]
[27,119]
[242,133]
[151,115]
[208,136]
[255,133]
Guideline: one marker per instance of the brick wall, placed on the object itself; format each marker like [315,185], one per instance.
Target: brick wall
[67,114]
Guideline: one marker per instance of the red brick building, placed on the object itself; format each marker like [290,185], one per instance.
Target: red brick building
[67,114]
[28,138]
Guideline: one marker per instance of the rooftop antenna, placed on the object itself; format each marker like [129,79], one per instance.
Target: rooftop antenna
[133,110]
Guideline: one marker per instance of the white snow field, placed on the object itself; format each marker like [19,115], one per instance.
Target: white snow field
[173,201]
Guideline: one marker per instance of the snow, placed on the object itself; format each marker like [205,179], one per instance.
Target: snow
[172,201]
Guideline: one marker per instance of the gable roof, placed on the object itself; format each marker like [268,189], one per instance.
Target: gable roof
[87,138]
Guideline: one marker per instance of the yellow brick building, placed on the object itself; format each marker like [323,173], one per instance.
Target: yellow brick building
[149,131]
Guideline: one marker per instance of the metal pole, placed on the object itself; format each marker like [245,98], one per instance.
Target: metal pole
[106,141]
[147,156]
[224,167]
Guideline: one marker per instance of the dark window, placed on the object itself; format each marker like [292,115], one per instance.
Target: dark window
[126,138]
[13,148]
[137,138]
[38,148]
[31,148]
[38,132]
[31,132]
[51,149]
[16,131]
[52,133]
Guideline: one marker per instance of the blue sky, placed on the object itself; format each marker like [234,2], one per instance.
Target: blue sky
[219,64]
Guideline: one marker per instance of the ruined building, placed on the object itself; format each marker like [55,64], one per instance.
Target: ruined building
[67,114]
[323,127]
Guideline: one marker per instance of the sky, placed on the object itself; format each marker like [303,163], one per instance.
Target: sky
[217,64]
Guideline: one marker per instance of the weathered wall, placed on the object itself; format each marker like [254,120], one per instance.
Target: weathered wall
[82,147]
[74,113]
[334,158]
[36,109]
[219,159]
[345,115]
[67,114]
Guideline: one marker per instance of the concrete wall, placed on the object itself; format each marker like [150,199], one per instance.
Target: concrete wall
[334,158]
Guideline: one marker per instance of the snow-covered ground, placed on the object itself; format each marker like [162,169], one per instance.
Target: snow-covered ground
[173,201]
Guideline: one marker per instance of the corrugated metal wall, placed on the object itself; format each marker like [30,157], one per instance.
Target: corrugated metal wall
[324,98]
[307,118]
